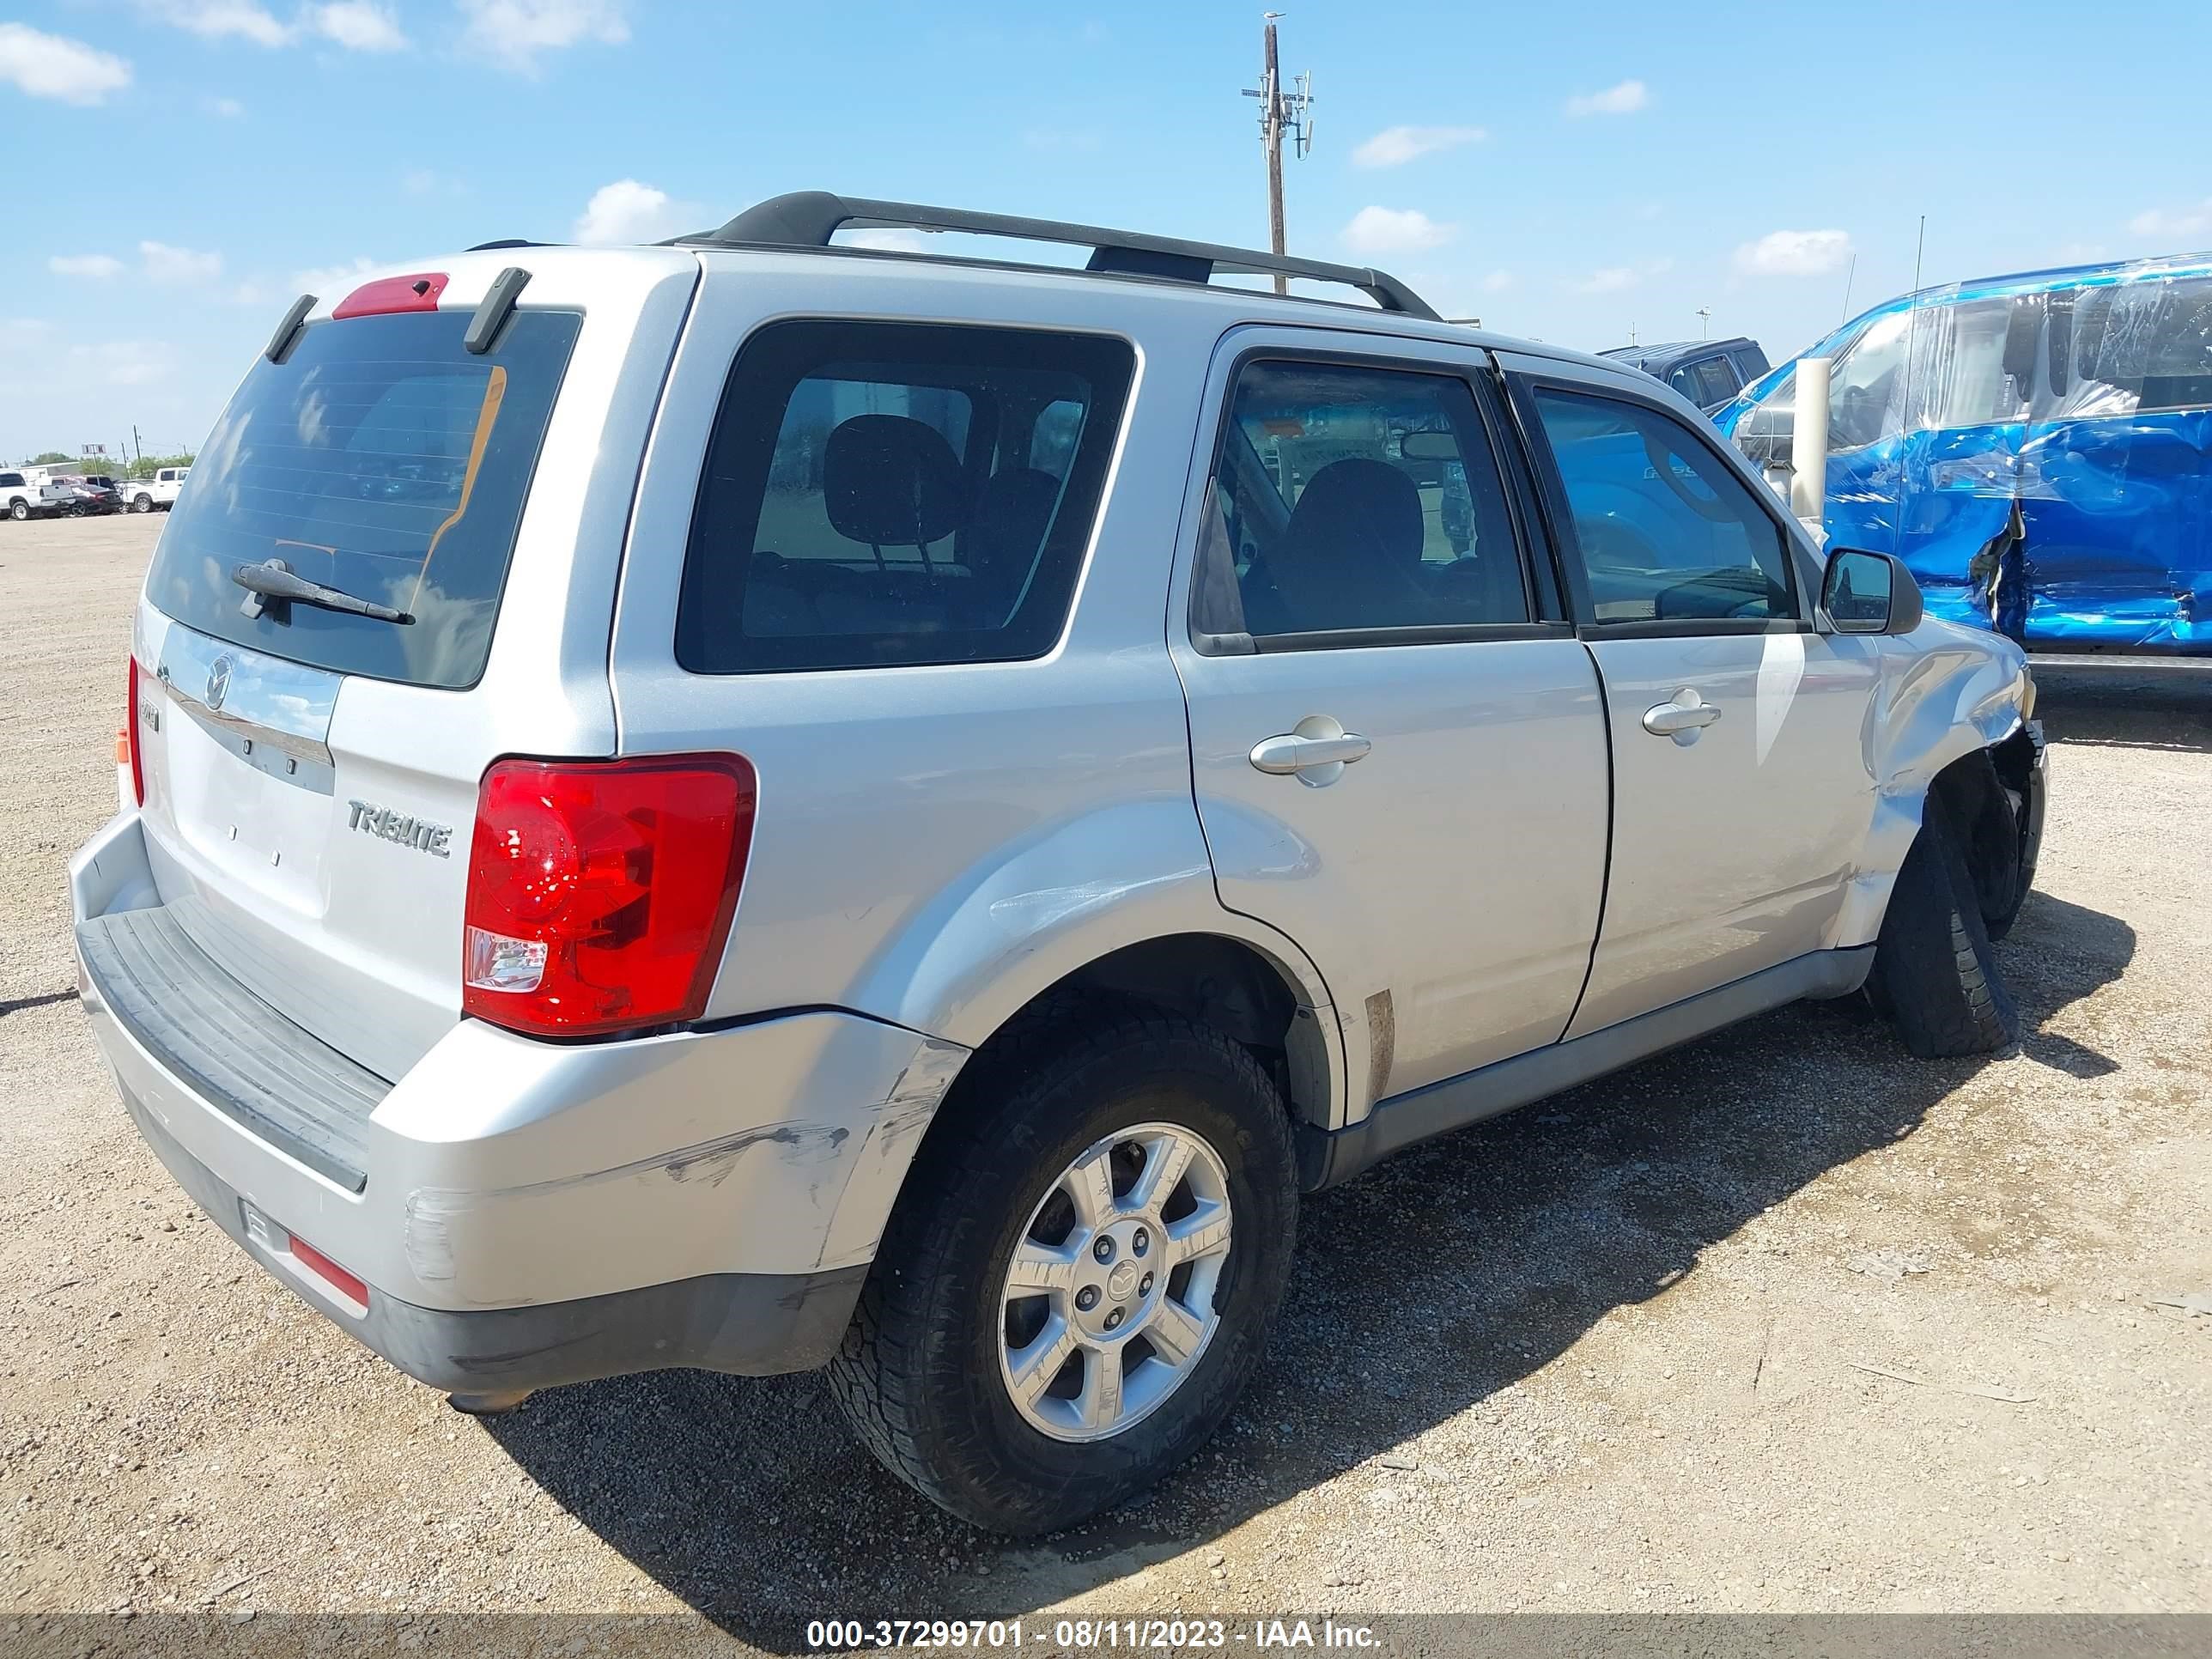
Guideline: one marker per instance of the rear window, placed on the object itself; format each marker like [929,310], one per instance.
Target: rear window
[382,458]
[887,493]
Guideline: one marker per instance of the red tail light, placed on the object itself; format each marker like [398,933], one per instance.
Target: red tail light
[130,738]
[601,892]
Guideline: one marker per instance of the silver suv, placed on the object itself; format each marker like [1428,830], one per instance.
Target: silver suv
[761,805]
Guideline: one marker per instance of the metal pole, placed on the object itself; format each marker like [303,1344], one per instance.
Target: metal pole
[1849,276]
[1271,120]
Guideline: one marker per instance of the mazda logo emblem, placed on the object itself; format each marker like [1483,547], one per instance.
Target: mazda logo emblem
[218,685]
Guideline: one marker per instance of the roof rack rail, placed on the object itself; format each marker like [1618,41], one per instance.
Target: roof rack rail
[809,218]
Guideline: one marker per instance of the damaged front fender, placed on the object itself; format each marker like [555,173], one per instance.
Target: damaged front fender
[1946,692]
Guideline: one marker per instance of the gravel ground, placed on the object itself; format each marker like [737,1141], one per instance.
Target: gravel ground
[1783,1321]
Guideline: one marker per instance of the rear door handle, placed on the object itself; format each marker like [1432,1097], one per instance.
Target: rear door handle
[1682,718]
[1293,752]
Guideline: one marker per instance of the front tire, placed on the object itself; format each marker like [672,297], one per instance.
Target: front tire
[18,511]
[1935,973]
[141,503]
[997,1363]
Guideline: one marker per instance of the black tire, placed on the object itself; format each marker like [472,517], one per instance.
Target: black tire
[919,1372]
[142,503]
[1934,973]
[18,511]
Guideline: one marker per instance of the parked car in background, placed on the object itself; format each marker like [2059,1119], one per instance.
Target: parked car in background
[22,495]
[1707,372]
[2036,448]
[82,497]
[161,490]
[802,829]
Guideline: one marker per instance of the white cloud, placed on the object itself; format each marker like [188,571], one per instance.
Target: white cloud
[229,108]
[1497,281]
[514,31]
[1794,253]
[627,211]
[1395,146]
[122,362]
[215,20]
[165,264]
[98,267]
[1611,280]
[333,281]
[1393,230]
[358,26]
[48,66]
[2191,221]
[1616,279]
[1625,98]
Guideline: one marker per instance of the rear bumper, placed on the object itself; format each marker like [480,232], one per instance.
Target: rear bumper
[754,1324]
[526,1213]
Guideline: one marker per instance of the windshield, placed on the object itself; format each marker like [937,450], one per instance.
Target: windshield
[381,458]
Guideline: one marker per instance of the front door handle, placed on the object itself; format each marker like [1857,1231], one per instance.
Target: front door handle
[1682,718]
[1300,752]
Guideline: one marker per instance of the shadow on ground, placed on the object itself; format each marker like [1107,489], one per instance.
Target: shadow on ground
[2170,712]
[1451,1272]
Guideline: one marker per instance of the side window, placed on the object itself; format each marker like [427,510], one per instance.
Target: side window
[882,493]
[2136,348]
[1355,498]
[10,479]
[2177,357]
[1716,383]
[1684,380]
[1666,531]
[1866,385]
[1967,369]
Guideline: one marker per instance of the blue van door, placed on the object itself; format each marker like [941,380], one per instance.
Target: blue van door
[2116,503]
[1972,361]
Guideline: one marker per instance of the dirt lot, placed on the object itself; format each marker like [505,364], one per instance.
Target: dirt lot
[1783,1321]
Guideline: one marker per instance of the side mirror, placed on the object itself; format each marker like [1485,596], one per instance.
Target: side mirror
[1869,593]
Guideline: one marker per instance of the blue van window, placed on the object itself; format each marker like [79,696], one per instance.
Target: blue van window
[1959,373]
[1866,387]
[2139,346]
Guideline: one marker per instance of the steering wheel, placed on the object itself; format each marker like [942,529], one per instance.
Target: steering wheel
[1715,511]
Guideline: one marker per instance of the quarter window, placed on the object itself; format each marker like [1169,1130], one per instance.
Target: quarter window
[1665,529]
[1354,498]
[884,493]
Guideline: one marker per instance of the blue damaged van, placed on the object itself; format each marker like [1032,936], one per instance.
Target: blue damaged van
[2034,448]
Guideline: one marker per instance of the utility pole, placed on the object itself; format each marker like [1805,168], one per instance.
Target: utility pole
[1279,110]
[1704,322]
[136,443]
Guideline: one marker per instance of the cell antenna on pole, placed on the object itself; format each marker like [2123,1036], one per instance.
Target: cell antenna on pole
[1279,111]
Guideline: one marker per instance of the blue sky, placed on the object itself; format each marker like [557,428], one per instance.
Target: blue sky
[1564,170]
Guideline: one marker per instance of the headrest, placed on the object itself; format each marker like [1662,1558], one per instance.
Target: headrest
[1354,513]
[890,480]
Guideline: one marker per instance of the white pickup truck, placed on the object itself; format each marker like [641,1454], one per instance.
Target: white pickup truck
[144,494]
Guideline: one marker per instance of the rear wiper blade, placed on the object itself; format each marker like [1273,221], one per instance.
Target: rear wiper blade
[274,583]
